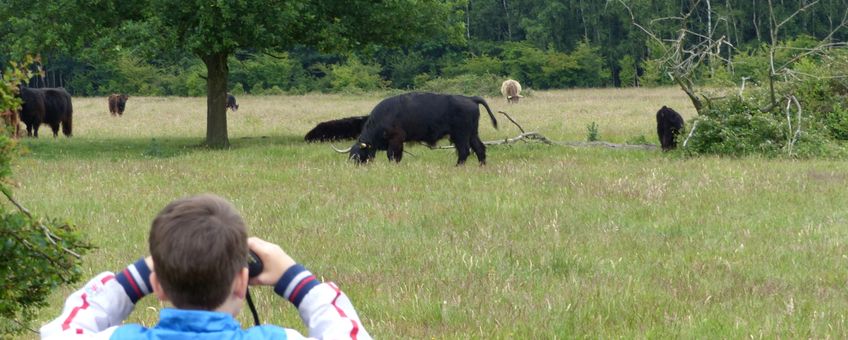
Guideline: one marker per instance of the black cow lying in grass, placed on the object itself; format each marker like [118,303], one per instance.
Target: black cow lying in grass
[422,117]
[345,128]
[669,125]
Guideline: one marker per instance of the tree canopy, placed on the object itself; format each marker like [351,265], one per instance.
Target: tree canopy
[215,30]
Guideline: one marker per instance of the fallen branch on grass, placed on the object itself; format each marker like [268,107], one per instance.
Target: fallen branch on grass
[535,136]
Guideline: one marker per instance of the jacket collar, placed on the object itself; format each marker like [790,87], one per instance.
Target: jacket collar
[198,321]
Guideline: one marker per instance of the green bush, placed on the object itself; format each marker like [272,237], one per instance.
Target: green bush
[467,84]
[736,127]
[356,77]
[478,65]
[238,89]
[593,70]
[654,74]
[627,72]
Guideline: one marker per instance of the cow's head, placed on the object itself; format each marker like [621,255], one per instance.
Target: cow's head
[122,102]
[362,152]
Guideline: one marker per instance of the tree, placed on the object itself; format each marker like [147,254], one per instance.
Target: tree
[213,31]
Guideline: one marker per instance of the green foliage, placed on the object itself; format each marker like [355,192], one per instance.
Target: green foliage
[654,74]
[627,71]
[478,65]
[266,71]
[737,127]
[37,255]
[403,69]
[238,89]
[467,84]
[592,132]
[356,77]
[592,71]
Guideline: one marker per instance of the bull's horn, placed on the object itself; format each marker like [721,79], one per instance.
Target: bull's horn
[340,150]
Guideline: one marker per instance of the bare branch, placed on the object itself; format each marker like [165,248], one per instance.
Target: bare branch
[691,132]
[12,199]
[802,9]
[513,121]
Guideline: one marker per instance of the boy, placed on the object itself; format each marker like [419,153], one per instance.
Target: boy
[199,250]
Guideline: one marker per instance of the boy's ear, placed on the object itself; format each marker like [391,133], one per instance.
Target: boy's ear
[157,288]
[240,284]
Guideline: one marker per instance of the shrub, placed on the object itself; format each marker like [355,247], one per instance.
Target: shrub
[592,132]
[736,127]
[356,77]
[467,84]
[627,74]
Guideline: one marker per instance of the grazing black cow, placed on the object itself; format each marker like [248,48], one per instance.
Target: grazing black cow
[669,125]
[32,111]
[422,117]
[345,128]
[117,103]
[231,102]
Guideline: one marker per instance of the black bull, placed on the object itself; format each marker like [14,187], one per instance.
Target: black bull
[51,106]
[422,117]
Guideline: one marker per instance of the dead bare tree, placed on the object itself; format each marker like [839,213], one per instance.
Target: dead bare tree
[682,57]
[785,70]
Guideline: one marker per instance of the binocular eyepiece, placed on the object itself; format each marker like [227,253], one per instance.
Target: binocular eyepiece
[254,264]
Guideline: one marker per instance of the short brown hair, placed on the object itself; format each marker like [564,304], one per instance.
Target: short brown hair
[198,245]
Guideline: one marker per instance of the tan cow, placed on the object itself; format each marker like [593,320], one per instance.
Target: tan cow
[511,89]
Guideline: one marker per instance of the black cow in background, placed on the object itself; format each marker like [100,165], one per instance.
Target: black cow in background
[231,103]
[58,110]
[669,125]
[345,128]
[422,117]
[51,106]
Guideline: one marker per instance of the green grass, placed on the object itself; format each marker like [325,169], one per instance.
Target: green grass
[543,242]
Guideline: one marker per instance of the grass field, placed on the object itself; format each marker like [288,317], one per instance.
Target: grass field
[543,242]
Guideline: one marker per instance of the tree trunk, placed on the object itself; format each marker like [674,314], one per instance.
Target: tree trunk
[468,20]
[508,25]
[216,100]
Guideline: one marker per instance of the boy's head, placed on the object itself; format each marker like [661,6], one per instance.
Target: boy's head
[198,245]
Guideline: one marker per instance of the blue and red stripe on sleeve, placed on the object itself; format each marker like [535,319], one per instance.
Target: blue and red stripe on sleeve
[136,280]
[295,284]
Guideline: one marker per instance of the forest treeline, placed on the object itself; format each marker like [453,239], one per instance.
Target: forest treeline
[543,44]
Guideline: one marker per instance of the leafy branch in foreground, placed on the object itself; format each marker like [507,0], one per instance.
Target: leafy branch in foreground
[37,255]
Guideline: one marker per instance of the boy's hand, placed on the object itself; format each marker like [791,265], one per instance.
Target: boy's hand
[275,261]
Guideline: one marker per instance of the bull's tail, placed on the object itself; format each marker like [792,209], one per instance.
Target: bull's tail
[479,101]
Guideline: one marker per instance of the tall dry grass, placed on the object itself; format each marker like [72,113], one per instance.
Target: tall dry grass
[543,242]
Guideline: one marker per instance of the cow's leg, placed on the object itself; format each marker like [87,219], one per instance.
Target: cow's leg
[66,127]
[479,149]
[395,137]
[395,151]
[462,149]
[55,128]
